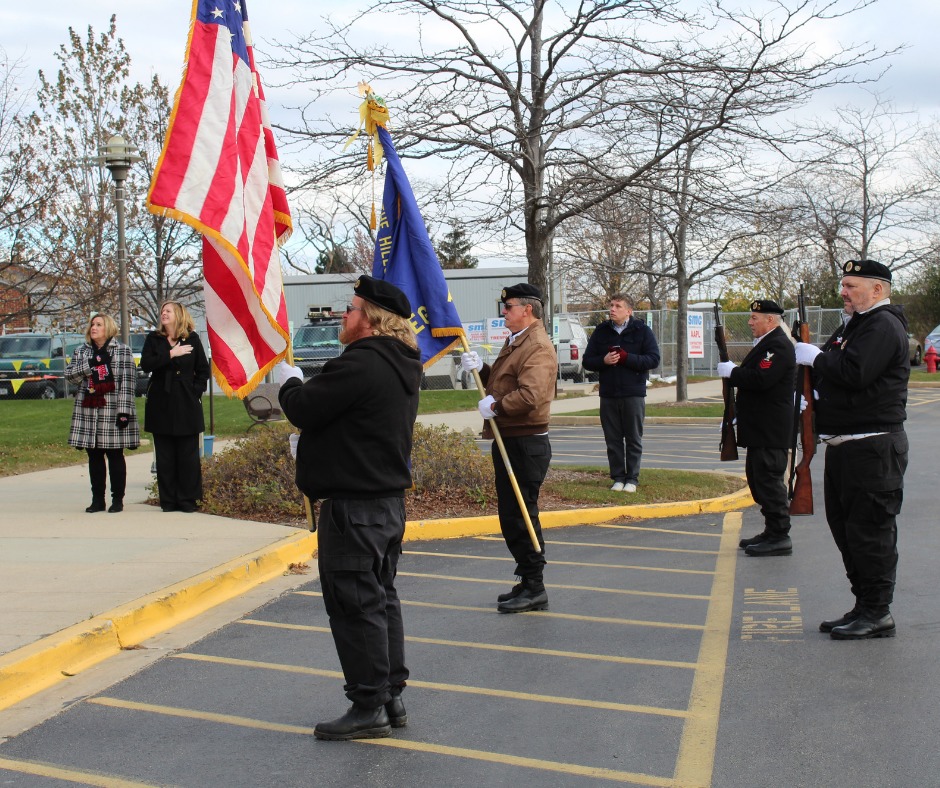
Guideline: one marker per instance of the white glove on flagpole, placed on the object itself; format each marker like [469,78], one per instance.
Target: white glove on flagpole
[806,353]
[724,368]
[802,403]
[285,372]
[486,406]
[294,439]
[470,361]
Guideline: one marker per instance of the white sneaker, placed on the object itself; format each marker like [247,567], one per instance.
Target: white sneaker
[618,487]
[629,487]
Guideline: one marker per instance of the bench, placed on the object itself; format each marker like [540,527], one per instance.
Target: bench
[262,404]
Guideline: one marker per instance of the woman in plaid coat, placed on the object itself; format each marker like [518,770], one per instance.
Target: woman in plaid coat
[104,420]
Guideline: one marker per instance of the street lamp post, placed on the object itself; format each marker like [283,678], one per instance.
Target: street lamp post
[118,156]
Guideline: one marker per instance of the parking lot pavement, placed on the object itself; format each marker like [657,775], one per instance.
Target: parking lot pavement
[620,680]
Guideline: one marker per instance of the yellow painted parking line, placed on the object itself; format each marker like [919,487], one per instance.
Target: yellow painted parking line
[510,559]
[404,744]
[442,687]
[565,543]
[696,759]
[593,589]
[80,776]
[623,527]
[543,613]
[541,652]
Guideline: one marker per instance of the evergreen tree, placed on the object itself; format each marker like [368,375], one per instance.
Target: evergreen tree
[454,249]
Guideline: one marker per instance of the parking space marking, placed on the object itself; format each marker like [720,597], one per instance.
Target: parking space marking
[40,769]
[404,744]
[604,546]
[467,689]
[542,652]
[696,758]
[632,622]
[621,527]
[584,564]
[593,589]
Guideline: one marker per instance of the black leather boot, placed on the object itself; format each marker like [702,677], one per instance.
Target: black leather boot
[397,716]
[848,618]
[867,625]
[531,597]
[357,723]
[761,537]
[512,594]
[117,505]
[97,505]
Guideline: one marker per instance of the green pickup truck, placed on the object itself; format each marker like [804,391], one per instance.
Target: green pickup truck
[32,366]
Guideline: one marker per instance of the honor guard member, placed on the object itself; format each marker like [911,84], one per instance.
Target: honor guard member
[520,386]
[861,380]
[357,417]
[764,390]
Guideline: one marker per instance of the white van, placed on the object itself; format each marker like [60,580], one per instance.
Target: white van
[570,340]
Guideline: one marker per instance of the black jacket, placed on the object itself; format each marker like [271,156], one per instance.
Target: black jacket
[862,380]
[628,378]
[765,383]
[357,417]
[174,404]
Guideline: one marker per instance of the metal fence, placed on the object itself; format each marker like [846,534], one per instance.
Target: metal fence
[664,322]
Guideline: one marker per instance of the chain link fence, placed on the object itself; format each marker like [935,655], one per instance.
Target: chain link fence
[664,322]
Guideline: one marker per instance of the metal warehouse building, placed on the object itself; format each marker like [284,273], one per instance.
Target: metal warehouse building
[475,291]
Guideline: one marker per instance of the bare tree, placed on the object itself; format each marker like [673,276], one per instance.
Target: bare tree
[27,185]
[541,112]
[862,191]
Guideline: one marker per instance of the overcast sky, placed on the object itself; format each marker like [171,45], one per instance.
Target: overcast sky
[156,41]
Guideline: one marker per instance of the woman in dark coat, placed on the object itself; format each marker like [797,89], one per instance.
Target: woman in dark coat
[179,373]
[104,419]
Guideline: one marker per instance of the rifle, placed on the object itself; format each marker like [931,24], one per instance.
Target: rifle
[728,447]
[801,493]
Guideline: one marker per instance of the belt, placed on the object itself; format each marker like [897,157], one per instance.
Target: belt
[836,440]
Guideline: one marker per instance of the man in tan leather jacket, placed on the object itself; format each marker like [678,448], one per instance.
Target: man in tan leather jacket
[520,386]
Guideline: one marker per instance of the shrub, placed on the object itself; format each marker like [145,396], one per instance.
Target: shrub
[254,479]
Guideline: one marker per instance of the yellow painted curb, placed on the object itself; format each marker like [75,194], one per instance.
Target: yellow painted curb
[475,526]
[35,667]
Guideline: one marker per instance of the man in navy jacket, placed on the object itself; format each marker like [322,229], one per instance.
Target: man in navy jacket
[622,350]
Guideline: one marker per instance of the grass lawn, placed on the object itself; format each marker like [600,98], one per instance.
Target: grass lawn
[686,409]
[590,485]
[921,375]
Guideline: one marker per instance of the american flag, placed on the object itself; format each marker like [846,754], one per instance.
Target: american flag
[219,173]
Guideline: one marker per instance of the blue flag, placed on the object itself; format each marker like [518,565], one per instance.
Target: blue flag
[405,257]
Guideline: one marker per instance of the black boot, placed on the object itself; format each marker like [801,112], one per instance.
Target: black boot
[397,716]
[516,590]
[848,618]
[761,537]
[117,505]
[357,723]
[97,505]
[531,597]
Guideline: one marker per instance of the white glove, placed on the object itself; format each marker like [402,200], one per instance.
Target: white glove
[724,368]
[806,353]
[470,361]
[486,406]
[294,439]
[802,403]
[285,372]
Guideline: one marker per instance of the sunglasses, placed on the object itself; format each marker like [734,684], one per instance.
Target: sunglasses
[351,308]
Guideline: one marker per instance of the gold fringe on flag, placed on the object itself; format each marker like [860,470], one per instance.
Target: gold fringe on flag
[372,113]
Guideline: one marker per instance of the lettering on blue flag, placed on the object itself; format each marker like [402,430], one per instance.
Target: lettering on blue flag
[405,257]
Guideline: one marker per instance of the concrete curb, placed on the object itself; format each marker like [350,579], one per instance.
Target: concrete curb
[38,666]
[578,421]
[33,668]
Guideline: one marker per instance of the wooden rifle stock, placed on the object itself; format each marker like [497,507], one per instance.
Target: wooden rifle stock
[728,447]
[801,501]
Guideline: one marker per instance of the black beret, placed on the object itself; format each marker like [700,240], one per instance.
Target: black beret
[383,294]
[522,290]
[867,269]
[766,306]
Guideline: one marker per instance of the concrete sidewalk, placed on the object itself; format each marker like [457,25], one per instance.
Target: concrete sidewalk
[77,587]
